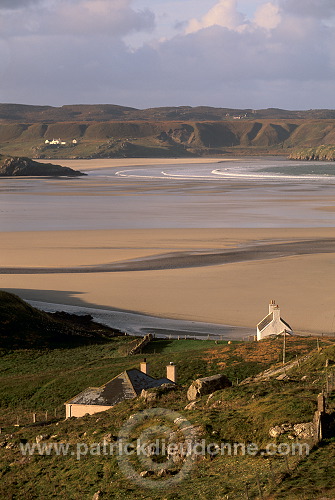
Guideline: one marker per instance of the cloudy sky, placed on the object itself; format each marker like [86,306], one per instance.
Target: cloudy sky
[146,53]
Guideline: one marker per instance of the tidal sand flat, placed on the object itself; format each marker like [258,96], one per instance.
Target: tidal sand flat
[233,293]
[174,240]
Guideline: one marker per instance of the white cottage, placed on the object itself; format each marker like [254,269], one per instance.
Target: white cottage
[273,324]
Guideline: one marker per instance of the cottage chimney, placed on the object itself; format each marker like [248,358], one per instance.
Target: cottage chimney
[272,305]
[276,313]
[144,366]
[171,373]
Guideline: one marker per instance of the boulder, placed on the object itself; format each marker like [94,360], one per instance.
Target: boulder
[155,393]
[207,385]
[41,437]
[277,430]
[305,430]
[191,406]
[21,166]
[146,473]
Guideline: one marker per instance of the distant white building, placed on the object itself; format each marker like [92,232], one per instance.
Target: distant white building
[273,324]
[55,141]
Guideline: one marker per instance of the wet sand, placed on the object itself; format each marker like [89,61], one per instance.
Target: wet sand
[98,164]
[299,275]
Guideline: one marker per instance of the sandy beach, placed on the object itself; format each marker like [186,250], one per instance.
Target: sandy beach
[207,251]
[235,293]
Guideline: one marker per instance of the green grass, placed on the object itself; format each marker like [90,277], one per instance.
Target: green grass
[36,380]
[57,476]
[43,379]
[173,345]
[313,478]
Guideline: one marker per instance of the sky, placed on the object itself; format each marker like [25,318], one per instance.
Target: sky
[147,53]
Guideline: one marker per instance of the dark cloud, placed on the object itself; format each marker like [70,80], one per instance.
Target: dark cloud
[16,4]
[86,18]
[290,63]
[320,9]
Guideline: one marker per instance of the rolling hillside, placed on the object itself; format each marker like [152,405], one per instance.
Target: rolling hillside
[114,139]
[108,112]
[109,131]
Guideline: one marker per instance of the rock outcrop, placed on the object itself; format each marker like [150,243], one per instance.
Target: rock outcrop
[305,430]
[207,385]
[154,393]
[21,166]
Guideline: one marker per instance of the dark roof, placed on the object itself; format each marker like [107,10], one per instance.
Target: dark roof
[265,322]
[286,324]
[126,385]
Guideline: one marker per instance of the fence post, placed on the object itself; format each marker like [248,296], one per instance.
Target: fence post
[271,471]
[287,464]
[259,487]
[247,491]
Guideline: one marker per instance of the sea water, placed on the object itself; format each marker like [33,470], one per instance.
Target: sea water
[257,192]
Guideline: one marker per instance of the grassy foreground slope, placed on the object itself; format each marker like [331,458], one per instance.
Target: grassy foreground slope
[39,380]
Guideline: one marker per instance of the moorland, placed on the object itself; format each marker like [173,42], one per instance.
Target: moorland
[110,131]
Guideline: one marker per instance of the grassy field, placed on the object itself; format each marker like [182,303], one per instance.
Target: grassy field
[39,380]
[243,413]
[72,464]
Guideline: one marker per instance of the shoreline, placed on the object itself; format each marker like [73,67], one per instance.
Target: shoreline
[137,324]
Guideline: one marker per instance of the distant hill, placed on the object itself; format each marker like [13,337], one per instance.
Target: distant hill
[110,131]
[107,112]
[23,326]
